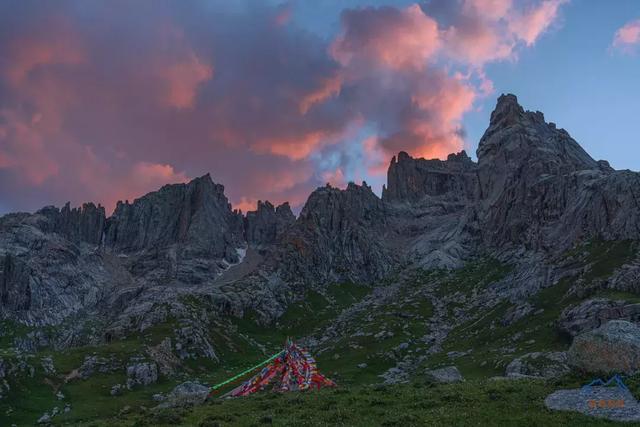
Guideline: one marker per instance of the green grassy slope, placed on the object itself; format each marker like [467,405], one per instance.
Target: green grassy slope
[473,403]
[368,336]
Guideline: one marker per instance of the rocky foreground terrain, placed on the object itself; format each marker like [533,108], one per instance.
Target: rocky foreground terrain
[515,266]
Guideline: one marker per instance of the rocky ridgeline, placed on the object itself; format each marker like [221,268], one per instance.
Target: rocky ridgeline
[197,215]
[267,223]
[85,224]
[410,180]
[539,188]
[185,233]
[339,236]
[533,193]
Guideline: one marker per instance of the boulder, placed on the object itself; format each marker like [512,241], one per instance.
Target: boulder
[44,419]
[48,366]
[449,374]
[186,394]
[163,355]
[117,390]
[516,313]
[93,364]
[612,348]
[592,313]
[158,397]
[141,374]
[613,403]
[540,365]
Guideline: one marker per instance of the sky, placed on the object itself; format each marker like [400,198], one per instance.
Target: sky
[107,100]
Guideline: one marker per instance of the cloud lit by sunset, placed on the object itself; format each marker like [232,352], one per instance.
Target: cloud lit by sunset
[105,101]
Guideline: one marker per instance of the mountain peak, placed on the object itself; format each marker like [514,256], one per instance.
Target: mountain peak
[516,136]
[507,110]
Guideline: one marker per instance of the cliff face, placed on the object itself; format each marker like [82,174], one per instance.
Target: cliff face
[84,224]
[196,215]
[266,225]
[47,276]
[539,188]
[339,236]
[533,185]
[410,179]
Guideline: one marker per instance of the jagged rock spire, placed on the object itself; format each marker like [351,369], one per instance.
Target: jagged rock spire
[507,111]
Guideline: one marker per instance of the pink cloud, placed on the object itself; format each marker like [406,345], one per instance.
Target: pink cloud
[23,148]
[489,9]
[396,38]
[431,128]
[628,36]
[535,20]
[483,31]
[115,183]
[282,15]
[246,204]
[99,106]
[417,107]
[183,79]
[328,88]
[376,157]
[278,185]
[477,44]
[30,53]
[295,145]
[334,178]
[183,71]
[147,174]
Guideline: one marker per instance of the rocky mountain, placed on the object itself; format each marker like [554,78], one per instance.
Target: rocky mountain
[85,224]
[433,205]
[186,233]
[47,276]
[340,235]
[539,188]
[266,225]
[410,180]
[458,259]
[533,188]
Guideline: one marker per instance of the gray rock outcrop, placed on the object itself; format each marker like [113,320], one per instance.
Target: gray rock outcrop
[593,313]
[182,232]
[410,179]
[198,213]
[186,394]
[339,236]
[612,348]
[612,403]
[84,224]
[142,373]
[267,224]
[97,364]
[540,189]
[432,208]
[540,365]
[532,194]
[449,374]
[45,277]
